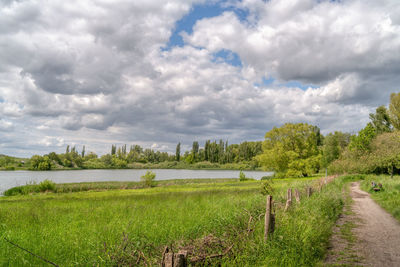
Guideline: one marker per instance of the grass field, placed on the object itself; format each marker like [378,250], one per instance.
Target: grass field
[389,197]
[132,226]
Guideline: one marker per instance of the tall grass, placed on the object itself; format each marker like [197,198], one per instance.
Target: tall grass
[111,227]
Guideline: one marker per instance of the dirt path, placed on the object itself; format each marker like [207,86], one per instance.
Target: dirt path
[365,235]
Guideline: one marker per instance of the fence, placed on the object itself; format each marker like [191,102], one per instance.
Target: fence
[180,259]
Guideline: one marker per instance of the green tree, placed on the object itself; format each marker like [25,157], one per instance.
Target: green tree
[195,150]
[40,163]
[361,143]
[113,149]
[178,152]
[334,145]
[83,152]
[394,110]
[148,179]
[291,149]
[385,153]
[381,120]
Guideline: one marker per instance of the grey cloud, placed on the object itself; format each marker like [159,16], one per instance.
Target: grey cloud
[100,77]
[310,41]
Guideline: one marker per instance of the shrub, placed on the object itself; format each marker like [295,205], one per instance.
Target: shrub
[148,179]
[46,185]
[242,177]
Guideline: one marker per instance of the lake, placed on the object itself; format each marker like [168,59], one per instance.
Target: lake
[10,179]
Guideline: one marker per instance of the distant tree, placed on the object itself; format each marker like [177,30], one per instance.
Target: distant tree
[334,145]
[291,150]
[207,150]
[195,150]
[381,120]
[40,163]
[83,152]
[178,152]
[361,143]
[148,179]
[394,110]
[385,152]
[221,152]
[106,159]
[113,149]
[54,157]
[67,150]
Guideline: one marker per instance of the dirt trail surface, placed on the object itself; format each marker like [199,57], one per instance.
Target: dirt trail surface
[373,238]
[378,233]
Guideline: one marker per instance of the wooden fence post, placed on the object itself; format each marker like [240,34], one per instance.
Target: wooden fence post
[297,195]
[269,219]
[180,259]
[168,260]
[171,259]
[289,199]
[309,191]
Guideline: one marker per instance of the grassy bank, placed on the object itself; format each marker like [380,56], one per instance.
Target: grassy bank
[50,187]
[389,197]
[129,226]
[11,163]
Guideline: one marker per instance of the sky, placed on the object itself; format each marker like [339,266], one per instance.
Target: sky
[158,72]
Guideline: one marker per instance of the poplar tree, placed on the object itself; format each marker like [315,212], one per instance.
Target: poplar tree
[178,152]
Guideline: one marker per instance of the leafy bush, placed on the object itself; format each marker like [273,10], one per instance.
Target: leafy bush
[40,163]
[148,179]
[46,185]
[242,176]
[18,190]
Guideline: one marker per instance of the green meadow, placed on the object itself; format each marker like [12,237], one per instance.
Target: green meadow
[123,227]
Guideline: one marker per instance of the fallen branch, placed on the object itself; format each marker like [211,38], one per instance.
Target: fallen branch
[33,254]
[249,222]
[144,258]
[202,258]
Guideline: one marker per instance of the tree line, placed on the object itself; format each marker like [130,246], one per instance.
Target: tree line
[219,153]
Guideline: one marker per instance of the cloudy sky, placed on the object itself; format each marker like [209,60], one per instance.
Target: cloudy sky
[156,72]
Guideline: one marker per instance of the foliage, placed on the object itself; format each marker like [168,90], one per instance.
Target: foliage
[118,163]
[383,157]
[361,142]
[148,179]
[292,150]
[267,186]
[381,120]
[385,152]
[242,176]
[40,163]
[394,110]
[178,152]
[30,188]
[46,185]
[334,145]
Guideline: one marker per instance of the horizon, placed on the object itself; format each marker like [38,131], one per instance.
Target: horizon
[156,73]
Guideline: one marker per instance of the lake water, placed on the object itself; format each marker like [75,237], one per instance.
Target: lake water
[10,179]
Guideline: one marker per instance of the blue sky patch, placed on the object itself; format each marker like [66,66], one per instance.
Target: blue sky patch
[199,12]
[270,81]
[228,57]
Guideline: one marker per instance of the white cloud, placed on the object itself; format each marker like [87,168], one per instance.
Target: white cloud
[101,77]
[6,126]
